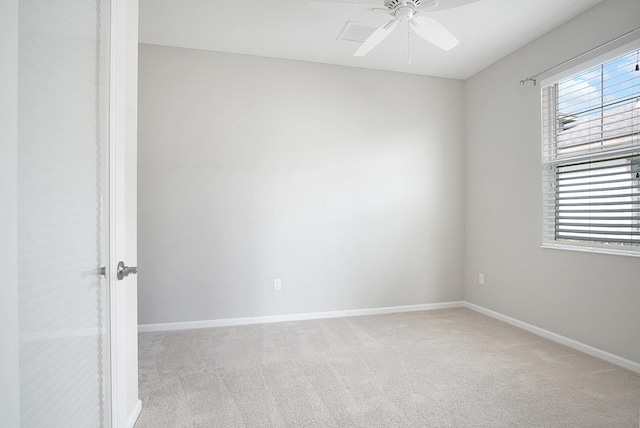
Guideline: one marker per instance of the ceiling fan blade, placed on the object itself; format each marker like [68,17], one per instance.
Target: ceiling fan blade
[434,32]
[432,6]
[333,6]
[376,37]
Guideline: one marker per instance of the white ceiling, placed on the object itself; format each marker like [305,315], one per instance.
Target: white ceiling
[488,30]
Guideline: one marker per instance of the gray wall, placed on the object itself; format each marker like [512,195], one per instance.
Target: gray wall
[346,183]
[592,298]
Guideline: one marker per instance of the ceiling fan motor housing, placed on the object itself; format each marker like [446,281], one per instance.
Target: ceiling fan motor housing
[392,4]
[404,10]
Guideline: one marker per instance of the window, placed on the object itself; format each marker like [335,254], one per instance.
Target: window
[591,158]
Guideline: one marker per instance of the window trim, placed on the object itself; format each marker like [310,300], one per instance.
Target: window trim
[589,249]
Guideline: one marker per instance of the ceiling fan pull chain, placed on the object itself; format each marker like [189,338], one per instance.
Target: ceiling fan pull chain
[408,43]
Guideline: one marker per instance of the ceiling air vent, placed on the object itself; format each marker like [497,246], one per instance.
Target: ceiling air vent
[354,32]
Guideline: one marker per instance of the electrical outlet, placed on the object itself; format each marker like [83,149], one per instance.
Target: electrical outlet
[277,284]
[481,279]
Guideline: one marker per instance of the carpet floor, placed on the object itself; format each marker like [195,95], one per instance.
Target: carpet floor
[444,368]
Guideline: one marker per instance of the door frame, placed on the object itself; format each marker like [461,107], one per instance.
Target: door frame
[9,362]
[125,404]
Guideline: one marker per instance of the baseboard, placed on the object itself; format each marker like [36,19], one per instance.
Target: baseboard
[134,415]
[574,344]
[145,328]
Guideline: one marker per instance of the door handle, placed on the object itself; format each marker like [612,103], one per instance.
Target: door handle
[124,271]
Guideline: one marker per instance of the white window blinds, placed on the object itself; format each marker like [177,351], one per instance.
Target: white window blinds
[591,157]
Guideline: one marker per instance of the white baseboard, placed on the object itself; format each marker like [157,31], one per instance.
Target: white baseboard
[134,415]
[574,344]
[145,328]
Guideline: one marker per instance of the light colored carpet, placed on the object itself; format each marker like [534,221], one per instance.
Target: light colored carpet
[445,368]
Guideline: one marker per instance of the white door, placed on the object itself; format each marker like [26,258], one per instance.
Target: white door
[74,214]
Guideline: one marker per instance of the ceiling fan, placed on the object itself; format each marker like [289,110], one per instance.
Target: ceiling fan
[410,11]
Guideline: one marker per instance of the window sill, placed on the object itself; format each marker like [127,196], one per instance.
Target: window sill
[595,250]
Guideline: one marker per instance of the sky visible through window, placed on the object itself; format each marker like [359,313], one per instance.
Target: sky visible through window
[615,80]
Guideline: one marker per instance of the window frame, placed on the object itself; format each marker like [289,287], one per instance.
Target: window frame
[551,162]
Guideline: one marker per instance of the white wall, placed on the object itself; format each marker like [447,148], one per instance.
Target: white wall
[591,298]
[346,183]
[9,364]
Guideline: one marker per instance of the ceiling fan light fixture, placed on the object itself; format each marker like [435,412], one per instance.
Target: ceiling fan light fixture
[404,13]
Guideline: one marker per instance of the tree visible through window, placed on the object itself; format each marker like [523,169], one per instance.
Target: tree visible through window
[591,157]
